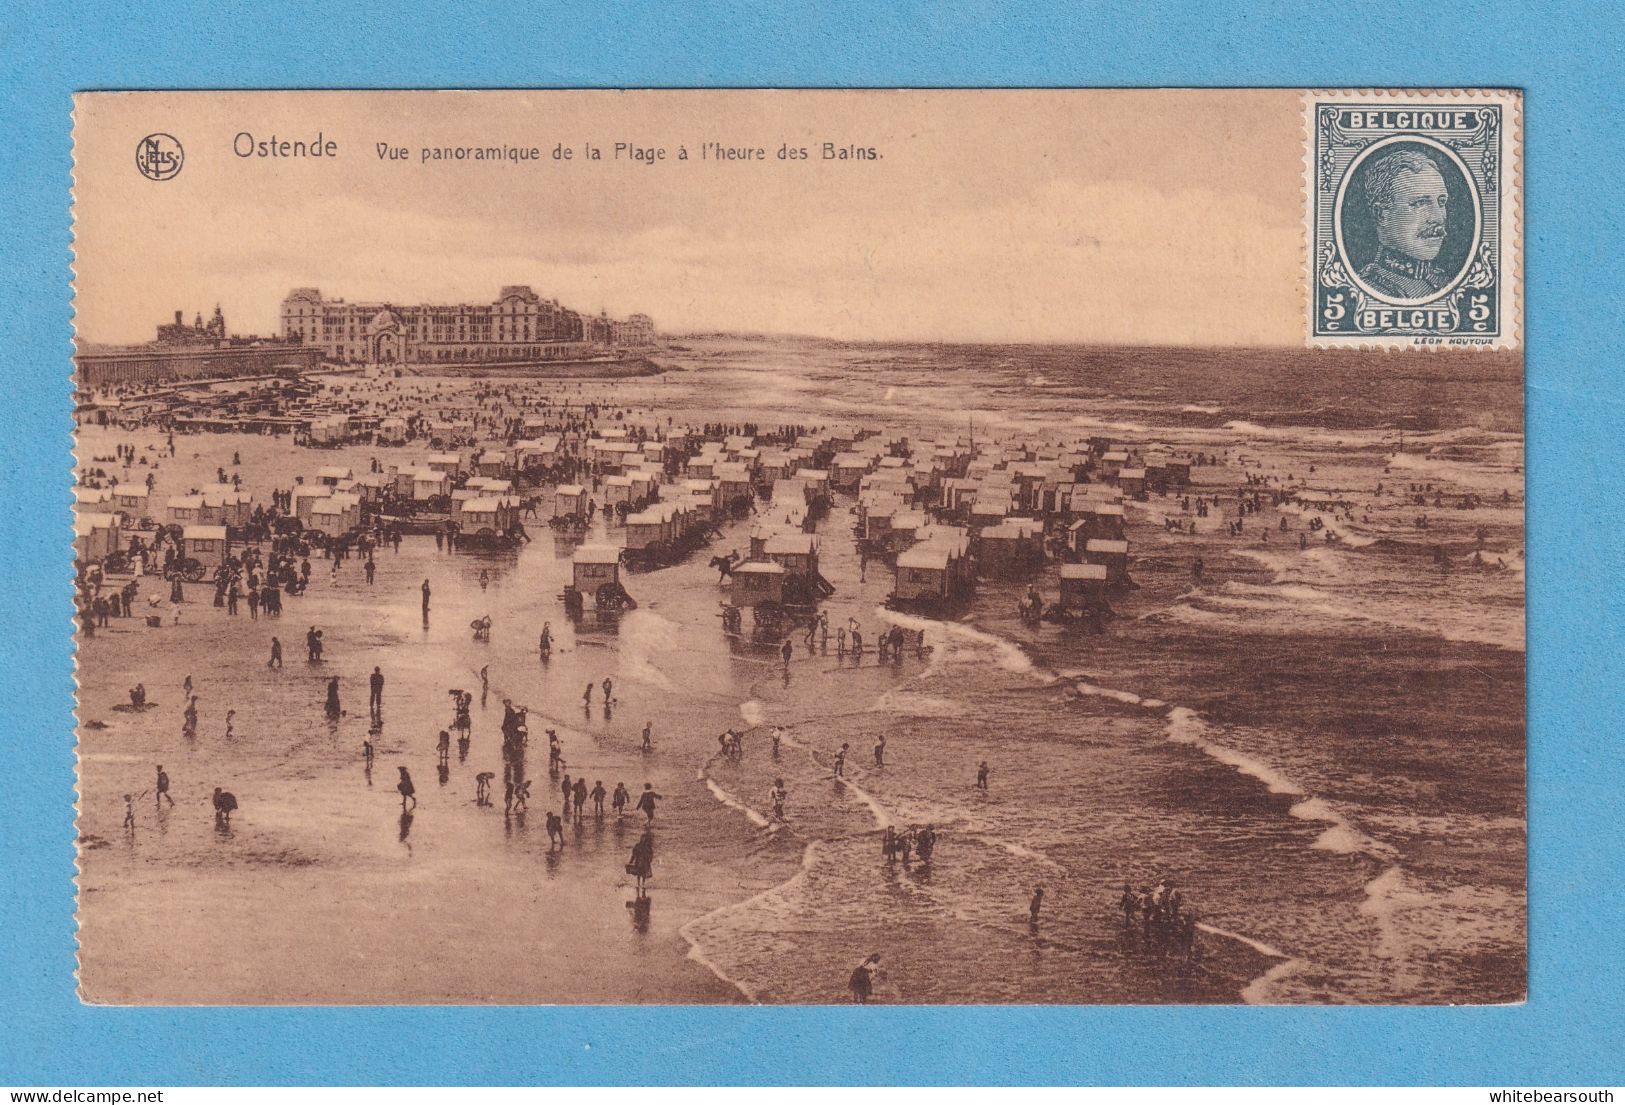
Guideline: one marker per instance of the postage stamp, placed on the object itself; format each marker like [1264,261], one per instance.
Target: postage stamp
[1414,205]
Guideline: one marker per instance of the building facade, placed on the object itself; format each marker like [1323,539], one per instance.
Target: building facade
[519,327]
[104,366]
[201,351]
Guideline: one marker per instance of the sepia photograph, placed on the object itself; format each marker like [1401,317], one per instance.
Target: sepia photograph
[911,547]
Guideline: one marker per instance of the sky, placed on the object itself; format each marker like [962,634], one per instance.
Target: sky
[1137,217]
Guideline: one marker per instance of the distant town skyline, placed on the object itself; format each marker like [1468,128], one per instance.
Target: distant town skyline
[1024,216]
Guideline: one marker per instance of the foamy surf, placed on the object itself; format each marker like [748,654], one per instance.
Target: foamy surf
[1021,851]
[1185,726]
[1010,656]
[915,704]
[734,803]
[688,932]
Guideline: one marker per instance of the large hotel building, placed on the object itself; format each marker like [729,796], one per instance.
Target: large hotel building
[519,327]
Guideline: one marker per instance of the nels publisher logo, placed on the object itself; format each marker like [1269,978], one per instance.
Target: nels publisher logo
[159,156]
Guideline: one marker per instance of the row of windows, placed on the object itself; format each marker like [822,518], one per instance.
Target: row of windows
[351,313]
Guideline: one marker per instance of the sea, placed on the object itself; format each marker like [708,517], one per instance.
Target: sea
[1323,747]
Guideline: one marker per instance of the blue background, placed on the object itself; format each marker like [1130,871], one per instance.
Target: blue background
[1564,55]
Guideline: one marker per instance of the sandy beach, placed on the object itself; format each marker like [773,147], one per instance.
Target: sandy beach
[1247,736]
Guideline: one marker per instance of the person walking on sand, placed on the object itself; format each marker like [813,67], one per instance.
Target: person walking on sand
[443,746]
[163,786]
[786,652]
[862,982]
[224,803]
[1034,906]
[425,598]
[641,865]
[647,800]
[619,799]
[371,570]
[567,788]
[555,831]
[1129,903]
[375,696]
[276,654]
[648,741]
[880,750]
[408,791]
[609,691]
[777,795]
[981,776]
[586,697]
[333,711]
[579,794]
[840,762]
[598,794]
[231,726]
[129,812]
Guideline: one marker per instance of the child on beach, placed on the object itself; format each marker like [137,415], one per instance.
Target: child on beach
[646,801]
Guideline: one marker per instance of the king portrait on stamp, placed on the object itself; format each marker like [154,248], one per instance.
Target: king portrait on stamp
[1407,197]
[1410,205]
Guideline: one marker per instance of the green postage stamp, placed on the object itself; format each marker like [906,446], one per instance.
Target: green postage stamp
[1414,217]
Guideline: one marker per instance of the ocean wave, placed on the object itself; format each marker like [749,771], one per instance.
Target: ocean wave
[881,814]
[690,932]
[1090,422]
[1261,990]
[1083,687]
[1246,601]
[1021,851]
[1409,917]
[645,635]
[915,704]
[1185,726]
[1010,655]
[734,803]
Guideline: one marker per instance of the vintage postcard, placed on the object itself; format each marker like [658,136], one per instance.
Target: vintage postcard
[682,547]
